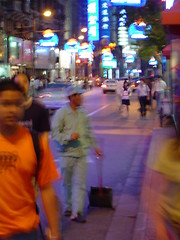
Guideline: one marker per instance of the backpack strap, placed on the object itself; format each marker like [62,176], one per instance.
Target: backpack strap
[35,139]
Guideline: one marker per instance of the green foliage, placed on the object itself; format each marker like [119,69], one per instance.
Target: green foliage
[151,14]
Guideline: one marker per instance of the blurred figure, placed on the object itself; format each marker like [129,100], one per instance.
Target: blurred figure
[165,188]
[158,91]
[125,93]
[72,133]
[143,93]
[119,88]
[18,166]
[36,117]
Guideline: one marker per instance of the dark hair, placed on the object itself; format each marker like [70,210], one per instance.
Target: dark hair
[9,85]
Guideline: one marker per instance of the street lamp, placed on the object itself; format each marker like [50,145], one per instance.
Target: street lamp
[46,13]
[81,37]
[84,30]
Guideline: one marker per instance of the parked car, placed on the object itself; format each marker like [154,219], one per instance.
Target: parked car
[109,85]
[53,96]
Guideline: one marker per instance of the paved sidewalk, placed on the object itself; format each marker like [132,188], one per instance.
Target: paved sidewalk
[144,229]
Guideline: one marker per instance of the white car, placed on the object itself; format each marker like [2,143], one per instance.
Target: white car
[109,85]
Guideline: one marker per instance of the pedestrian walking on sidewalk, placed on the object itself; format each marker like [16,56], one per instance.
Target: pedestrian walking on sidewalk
[71,131]
[165,202]
[125,94]
[158,91]
[119,88]
[18,166]
[143,92]
[36,117]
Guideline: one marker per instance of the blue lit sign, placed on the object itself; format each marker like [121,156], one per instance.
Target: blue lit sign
[132,3]
[153,61]
[105,21]
[49,42]
[93,20]
[109,64]
[129,59]
[72,47]
[138,31]
[85,51]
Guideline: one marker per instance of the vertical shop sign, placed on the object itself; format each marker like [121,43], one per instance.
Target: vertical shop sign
[105,21]
[93,20]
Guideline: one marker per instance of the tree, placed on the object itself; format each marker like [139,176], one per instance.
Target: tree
[151,14]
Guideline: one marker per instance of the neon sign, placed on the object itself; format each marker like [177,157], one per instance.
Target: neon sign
[93,20]
[122,28]
[153,61]
[109,64]
[137,31]
[85,50]
[49,42]
[132,3]
[72,45]
[105,21]
[129,59]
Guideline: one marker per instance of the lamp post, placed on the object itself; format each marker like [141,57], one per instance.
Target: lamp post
[46,13]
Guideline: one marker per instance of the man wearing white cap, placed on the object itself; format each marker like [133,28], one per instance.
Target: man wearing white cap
[72,133]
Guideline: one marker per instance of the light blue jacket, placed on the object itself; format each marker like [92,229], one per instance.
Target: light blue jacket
[64,123]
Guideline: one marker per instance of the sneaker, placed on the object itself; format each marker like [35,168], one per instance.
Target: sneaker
[68,213]
[78,218]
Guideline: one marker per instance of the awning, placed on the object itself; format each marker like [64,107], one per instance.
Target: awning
[172,16]
[167,51]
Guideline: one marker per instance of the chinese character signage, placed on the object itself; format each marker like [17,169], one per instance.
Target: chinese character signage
[105,21]
[93,20]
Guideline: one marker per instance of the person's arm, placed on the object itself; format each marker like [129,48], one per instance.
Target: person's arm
[50,204]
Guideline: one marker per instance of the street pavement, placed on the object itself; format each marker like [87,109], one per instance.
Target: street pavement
[129,219]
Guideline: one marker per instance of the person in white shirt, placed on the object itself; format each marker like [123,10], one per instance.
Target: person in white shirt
[125,93]
[159,90]
[143,92]
[119,88]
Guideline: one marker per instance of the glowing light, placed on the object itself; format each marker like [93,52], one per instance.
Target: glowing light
[47,13]
[84,30]
[81,37]
[48,33]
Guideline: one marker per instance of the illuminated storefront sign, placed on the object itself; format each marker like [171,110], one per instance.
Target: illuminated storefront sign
[27,55]
[138,30]
[15,50]
[85,51]
[122,28]
[93,20]
[107,56]
[132,3]
[153,61]
[109,64]
[49,42]
[105,21]
[129,59]
[72,45]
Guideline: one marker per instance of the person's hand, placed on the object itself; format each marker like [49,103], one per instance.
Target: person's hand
[98,152]
[75,136]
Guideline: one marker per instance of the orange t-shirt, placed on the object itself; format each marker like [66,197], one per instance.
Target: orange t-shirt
[18,166]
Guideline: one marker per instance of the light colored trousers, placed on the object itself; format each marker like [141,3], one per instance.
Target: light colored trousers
[74,183]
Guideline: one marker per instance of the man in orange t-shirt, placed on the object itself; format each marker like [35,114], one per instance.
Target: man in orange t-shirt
[18,166]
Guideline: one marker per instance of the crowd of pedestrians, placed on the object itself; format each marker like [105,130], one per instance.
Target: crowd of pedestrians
[147,90]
